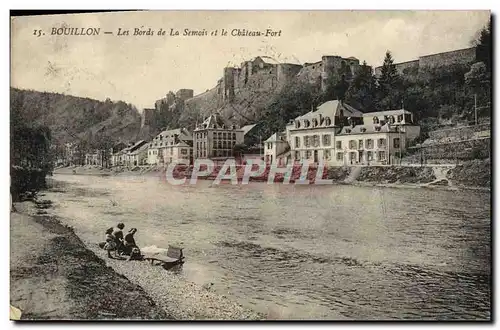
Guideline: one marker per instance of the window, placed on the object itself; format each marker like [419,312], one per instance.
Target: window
[352,156]
[339,145]
[396,143]
[219,145]
[381,143]
[306,141]
[327,140]
[234,136]
[369,144]
[381,155]
[328,121]
[297,124]
[369,155]
[224,135]
[315,122]
[352,144]
[360,144]
[326,154]
[340,155]
[297,155]
[315,142]
[297,142]
[307,123]
[376,120]
[308,154]
[183,151]
[269,145]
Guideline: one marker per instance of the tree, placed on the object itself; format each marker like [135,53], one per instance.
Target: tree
[484,44]
[361,91]
[389,91]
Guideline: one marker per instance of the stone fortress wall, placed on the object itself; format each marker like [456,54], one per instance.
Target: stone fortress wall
[460,56]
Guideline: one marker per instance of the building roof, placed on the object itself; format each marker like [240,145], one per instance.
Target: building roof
[332,109]
[137,145]
[138,150]
[386,113]
[277,137]
[367,129]
[215,120]
[248,128]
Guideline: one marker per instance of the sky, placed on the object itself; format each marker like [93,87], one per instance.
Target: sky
[142,69]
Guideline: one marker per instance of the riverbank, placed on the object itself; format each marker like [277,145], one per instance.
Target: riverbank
[474,174]
[170,292]
[53,276]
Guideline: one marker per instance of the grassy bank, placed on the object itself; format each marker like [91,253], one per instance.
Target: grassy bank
[53,276]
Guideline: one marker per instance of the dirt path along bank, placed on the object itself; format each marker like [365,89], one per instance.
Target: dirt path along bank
[53,276]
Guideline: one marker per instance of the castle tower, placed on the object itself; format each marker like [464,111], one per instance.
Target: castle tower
[228,84]
[147,117]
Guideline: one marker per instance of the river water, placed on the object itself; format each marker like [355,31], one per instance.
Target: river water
[307,252]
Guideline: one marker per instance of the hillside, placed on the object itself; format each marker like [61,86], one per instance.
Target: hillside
[71,118]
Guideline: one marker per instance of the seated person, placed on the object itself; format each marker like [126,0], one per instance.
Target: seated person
[118,235]
[129,242]
[110,244]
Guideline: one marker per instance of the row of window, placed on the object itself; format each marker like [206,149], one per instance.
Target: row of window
[156,144]
[352,156]
[223,135]
[314,141]
[391,119]
[217,145]
[183,151]
[313,122]
[215,153]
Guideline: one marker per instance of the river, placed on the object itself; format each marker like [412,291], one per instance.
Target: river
[309,252]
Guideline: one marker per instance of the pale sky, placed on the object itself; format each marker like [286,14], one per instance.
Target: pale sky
[142,69]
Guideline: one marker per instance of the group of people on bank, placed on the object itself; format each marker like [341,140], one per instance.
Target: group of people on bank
[121,245]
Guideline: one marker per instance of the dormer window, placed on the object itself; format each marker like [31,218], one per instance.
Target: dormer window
[348,130]
[328,121]
[377,128]
[297,124]
[363,130]
[391,120]
[315,122]
[307,123]
[376,120]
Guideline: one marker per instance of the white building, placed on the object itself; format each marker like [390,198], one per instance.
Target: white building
[339,134]
[169,146]
[312,136]
[138,156]
[215,138]
[276,149]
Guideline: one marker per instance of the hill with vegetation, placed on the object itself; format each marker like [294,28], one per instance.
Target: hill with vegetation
[72,119]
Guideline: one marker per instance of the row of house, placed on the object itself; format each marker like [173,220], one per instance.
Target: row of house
[334,133]
[338,134]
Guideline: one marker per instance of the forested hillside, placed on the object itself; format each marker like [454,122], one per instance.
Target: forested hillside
[72,119]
